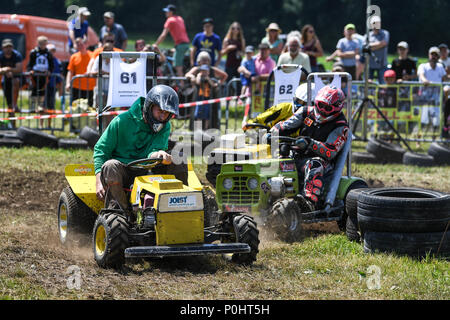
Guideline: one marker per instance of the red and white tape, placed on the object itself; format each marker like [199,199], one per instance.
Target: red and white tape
[107,113]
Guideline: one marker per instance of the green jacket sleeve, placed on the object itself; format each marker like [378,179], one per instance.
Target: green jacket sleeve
[105,145]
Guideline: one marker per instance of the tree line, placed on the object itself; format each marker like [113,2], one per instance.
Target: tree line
[421,23]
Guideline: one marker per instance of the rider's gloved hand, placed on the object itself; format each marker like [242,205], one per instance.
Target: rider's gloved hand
[303,143]
[166,158]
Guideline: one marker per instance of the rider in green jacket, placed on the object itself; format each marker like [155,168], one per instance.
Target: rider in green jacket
[141,132]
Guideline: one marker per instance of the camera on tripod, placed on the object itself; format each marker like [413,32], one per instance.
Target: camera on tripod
[366,49]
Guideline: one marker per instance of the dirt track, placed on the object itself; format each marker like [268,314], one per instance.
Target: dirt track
[30,251]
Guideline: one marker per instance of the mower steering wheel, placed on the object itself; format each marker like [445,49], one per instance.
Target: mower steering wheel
[144,163]
[288,143]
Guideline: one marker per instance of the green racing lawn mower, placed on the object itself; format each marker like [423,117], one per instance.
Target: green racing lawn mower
[270,188]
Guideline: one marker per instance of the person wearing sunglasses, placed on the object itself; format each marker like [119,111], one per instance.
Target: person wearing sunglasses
[322,131]
[108,39]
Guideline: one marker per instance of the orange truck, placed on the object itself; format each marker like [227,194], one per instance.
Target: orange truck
[23,30]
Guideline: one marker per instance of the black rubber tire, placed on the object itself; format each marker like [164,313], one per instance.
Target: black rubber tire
[212,171]
[36,138]
[90,135]
[351,202]
[386,151]
[10,143]
[365,157]
[117,240]
[10,135]
[72,144]
[418,159]
[404,210]
[412,244]
[247,232]
[212,216]
[440,153]
[352,230]
[79,217]
[285,220]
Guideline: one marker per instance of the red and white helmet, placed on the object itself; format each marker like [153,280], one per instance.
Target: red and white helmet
[328,103]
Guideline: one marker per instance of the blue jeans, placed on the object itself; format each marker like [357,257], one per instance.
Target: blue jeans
[380,74]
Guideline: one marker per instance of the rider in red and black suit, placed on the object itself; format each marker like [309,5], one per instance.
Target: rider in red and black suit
[323,130]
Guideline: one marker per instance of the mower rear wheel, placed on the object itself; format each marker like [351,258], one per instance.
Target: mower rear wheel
[246,232]
[109,240]
[285,220]
[74,217]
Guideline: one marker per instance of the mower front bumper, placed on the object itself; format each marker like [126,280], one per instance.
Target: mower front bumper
[186,250]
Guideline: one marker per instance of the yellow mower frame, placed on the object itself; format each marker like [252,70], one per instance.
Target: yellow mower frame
[177,219]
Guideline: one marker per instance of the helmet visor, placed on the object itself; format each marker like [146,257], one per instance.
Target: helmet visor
[326,109]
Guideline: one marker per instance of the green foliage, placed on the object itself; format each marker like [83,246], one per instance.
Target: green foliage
[420,23]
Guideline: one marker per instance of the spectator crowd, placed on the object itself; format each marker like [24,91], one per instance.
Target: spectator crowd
[198,62]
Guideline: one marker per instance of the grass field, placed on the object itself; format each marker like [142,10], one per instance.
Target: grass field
[324,265]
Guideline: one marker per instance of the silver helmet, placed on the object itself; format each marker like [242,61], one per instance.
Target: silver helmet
[164,97]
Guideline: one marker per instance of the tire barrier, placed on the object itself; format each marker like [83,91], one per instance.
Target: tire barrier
[365,157]
[418,159]
[410,221]
[385,151]
[440,152]
[382,152]
[35,138]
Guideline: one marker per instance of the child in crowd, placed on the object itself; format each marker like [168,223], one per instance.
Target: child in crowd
[205,86]
[248,71]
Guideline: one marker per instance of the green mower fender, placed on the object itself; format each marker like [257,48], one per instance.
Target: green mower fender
[344,185]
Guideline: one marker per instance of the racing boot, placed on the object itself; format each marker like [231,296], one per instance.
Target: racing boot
[305,204]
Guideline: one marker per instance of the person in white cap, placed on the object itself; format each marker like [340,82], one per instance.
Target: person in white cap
[432,71]
[404,67]
[78,28]
[378,43]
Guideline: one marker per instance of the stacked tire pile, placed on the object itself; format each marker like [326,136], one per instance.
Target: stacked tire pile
[380,151]
[410,221]
[31,137]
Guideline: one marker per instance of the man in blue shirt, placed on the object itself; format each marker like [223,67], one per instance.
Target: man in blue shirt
[207,41]
[78,28]
[347,49]
[378,43]
[121,38]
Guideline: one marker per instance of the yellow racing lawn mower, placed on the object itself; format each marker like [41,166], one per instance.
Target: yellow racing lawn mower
[168,219]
